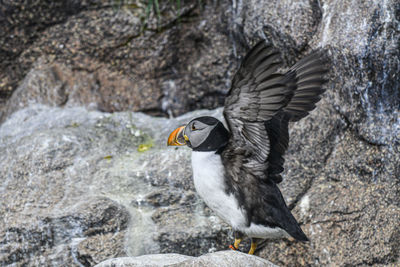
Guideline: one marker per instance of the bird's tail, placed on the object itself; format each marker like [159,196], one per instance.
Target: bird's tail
[307,78]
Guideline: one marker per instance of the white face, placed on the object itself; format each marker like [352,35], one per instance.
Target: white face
[197,132]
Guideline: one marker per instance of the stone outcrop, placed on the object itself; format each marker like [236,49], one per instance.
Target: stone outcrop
[342,166]
[82,186]
[362,41]
[218,259]
[108,55]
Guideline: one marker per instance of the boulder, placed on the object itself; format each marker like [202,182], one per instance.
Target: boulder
[81,186]
[108,55]
[217,259]
[35,237]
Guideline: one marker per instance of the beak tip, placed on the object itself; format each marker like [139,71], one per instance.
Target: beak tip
[173,137]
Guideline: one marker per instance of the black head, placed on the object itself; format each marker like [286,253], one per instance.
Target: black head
[201,134]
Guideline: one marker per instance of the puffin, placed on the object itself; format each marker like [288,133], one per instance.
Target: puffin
[237,168]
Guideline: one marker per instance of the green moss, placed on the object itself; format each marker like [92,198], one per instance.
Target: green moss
[145,147]
[73,125]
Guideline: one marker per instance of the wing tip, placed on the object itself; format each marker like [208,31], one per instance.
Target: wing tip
[310,77]
[301,236]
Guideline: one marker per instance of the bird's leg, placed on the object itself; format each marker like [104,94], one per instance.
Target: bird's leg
[238,239]
[237,243]
[254,242]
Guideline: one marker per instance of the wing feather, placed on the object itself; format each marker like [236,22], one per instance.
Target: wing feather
[261,102]
[256,95]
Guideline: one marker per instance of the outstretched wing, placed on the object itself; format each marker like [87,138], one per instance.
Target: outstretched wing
[257,94]
[260,104]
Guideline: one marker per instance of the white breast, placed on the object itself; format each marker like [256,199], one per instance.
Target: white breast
[208,175]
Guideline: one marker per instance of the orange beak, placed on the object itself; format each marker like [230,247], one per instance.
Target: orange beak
[177,138]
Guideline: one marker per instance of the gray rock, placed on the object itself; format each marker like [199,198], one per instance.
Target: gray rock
[350,212]
[76,188]
[35,237]
[220,259]
[362,40]
[146,260]
[341,170]
[65,170]
[106,55]
[22,24]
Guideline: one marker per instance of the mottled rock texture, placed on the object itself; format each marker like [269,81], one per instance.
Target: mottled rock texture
[342,168]
[74,188]
[80,187]
[218,259]
[362,39]
[109,55]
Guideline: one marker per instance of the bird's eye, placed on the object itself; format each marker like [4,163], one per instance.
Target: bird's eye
[193,127]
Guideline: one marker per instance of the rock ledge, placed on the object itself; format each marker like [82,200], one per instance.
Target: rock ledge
[220,259]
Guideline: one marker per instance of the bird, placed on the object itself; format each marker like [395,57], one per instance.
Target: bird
[237,167]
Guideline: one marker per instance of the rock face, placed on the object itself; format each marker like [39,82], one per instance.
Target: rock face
[110,56]
[75,188]
[342,166]
[79,187]
[218,259]
[362,40]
